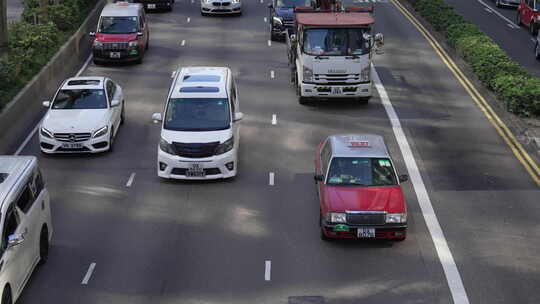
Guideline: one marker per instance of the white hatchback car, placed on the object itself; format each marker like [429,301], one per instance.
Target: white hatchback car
[200,130]
[84,116]
[221,7]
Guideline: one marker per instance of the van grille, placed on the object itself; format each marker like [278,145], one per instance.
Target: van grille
[195,150]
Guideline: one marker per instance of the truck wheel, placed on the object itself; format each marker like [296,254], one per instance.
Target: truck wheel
[301,100]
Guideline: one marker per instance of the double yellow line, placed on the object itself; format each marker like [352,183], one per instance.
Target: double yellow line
[518,150]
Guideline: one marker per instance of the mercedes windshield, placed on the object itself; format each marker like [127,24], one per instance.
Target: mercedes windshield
[80,99]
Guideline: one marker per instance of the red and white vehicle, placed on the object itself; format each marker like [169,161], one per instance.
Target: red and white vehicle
[359,190]
[528,14]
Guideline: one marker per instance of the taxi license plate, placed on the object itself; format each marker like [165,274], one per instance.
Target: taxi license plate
[366,232]
[151,6]
[336,91]
[72,145]
[195,170]
[115,55]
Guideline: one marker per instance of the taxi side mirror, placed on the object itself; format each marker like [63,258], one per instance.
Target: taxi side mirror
[318,177]
[403,178]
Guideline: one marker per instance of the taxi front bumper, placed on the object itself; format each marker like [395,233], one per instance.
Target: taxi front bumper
[336,91]
[386,232]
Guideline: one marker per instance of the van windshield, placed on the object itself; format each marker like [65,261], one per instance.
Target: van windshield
[118,25]
[336,42]
[197,114]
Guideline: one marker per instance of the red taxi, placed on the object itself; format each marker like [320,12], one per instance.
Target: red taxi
[122,33]
[528,14]
[359,190]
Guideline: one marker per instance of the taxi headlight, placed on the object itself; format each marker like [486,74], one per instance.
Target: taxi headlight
[335,217]
[134,43]
[225,147]
[277,21]
[100,132]
[46,133]
[166,147]
[365,74]
[396,218]
[308,74]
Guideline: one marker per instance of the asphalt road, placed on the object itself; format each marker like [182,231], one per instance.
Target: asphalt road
[500,24]
[208,242]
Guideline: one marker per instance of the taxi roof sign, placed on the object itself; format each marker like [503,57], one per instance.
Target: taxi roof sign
[359,144]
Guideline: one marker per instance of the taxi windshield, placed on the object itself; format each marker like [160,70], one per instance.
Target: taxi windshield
[118,25]
[361,171]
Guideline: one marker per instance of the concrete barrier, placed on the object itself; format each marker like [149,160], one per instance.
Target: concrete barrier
[22,113]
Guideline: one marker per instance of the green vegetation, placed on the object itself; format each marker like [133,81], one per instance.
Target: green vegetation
[511,82]
[34,40]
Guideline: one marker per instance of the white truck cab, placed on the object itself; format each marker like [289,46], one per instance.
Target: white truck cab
[25,219]
[200,125]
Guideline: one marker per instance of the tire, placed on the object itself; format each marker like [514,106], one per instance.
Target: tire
[322,235]
[6,296]
[400,239]
[43,246]
[301,100]
[537,51]
[532,28]
[96,62]
[123,113]
[111,141]
[518,18]
[497,3]
[140,60]
[147,43]
[363,100]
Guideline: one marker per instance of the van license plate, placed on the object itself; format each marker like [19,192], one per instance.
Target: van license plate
[336,91]
[72,146]
[151,6]
[196,170]
[115,54]
[366,232]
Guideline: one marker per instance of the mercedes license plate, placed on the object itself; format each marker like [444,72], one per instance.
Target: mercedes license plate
[336,91]
[366,232]
[72,145]
[115,54]
[195,170]
[151,6]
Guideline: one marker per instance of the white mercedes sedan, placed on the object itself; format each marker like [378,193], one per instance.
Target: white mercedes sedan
[84,116]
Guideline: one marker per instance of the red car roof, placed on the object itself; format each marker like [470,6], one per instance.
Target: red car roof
[335,19]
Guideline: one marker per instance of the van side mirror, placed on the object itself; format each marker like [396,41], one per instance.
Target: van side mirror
[46,104]
[238,116]
[318,178]
[156,117]
[403,178]
[15,240]
[115,103]
[140,34]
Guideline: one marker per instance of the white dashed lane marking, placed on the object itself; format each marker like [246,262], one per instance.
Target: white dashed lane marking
[271,177]
[274,119]
[88,274]
[130,180]
[267,270]
[272,74]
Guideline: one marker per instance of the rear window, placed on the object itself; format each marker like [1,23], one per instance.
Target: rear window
[202,78]
[199,90]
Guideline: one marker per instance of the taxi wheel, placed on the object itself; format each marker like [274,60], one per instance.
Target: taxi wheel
[532,28]
[518,18]
[323,236]
[123,114]
[43,246]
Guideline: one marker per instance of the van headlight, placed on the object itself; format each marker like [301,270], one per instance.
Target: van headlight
[336,217]
[365,74]
[307,74]
[100,132]
[396,218]
[226,146]
[166,147]
[46,133]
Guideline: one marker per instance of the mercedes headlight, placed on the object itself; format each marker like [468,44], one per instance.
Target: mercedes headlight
[235,1]
[100,132]
[277,21]
[225,147]
[334,217]
[134,43]
[46,133]
[166,147]
[365,74]
[396,218]
[98,44]
[308,74]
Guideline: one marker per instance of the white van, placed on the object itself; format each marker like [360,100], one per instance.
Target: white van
[25,218]
[200,131]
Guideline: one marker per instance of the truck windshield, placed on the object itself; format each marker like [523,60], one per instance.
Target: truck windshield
[118,25]
[336,42]
[361,172]
[292,3]
[197,114]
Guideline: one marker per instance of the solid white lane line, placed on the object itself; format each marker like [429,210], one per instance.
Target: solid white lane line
[511,26]
[271,177]
[36,128]
[272,74]
[267,270]
[183,43]
[188,19]
[265,20]
[88,274]
[498,14]
[274,119]
[130,180]
[269,43]
[533,40]
[451,272]
[262,1]
[488,10]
